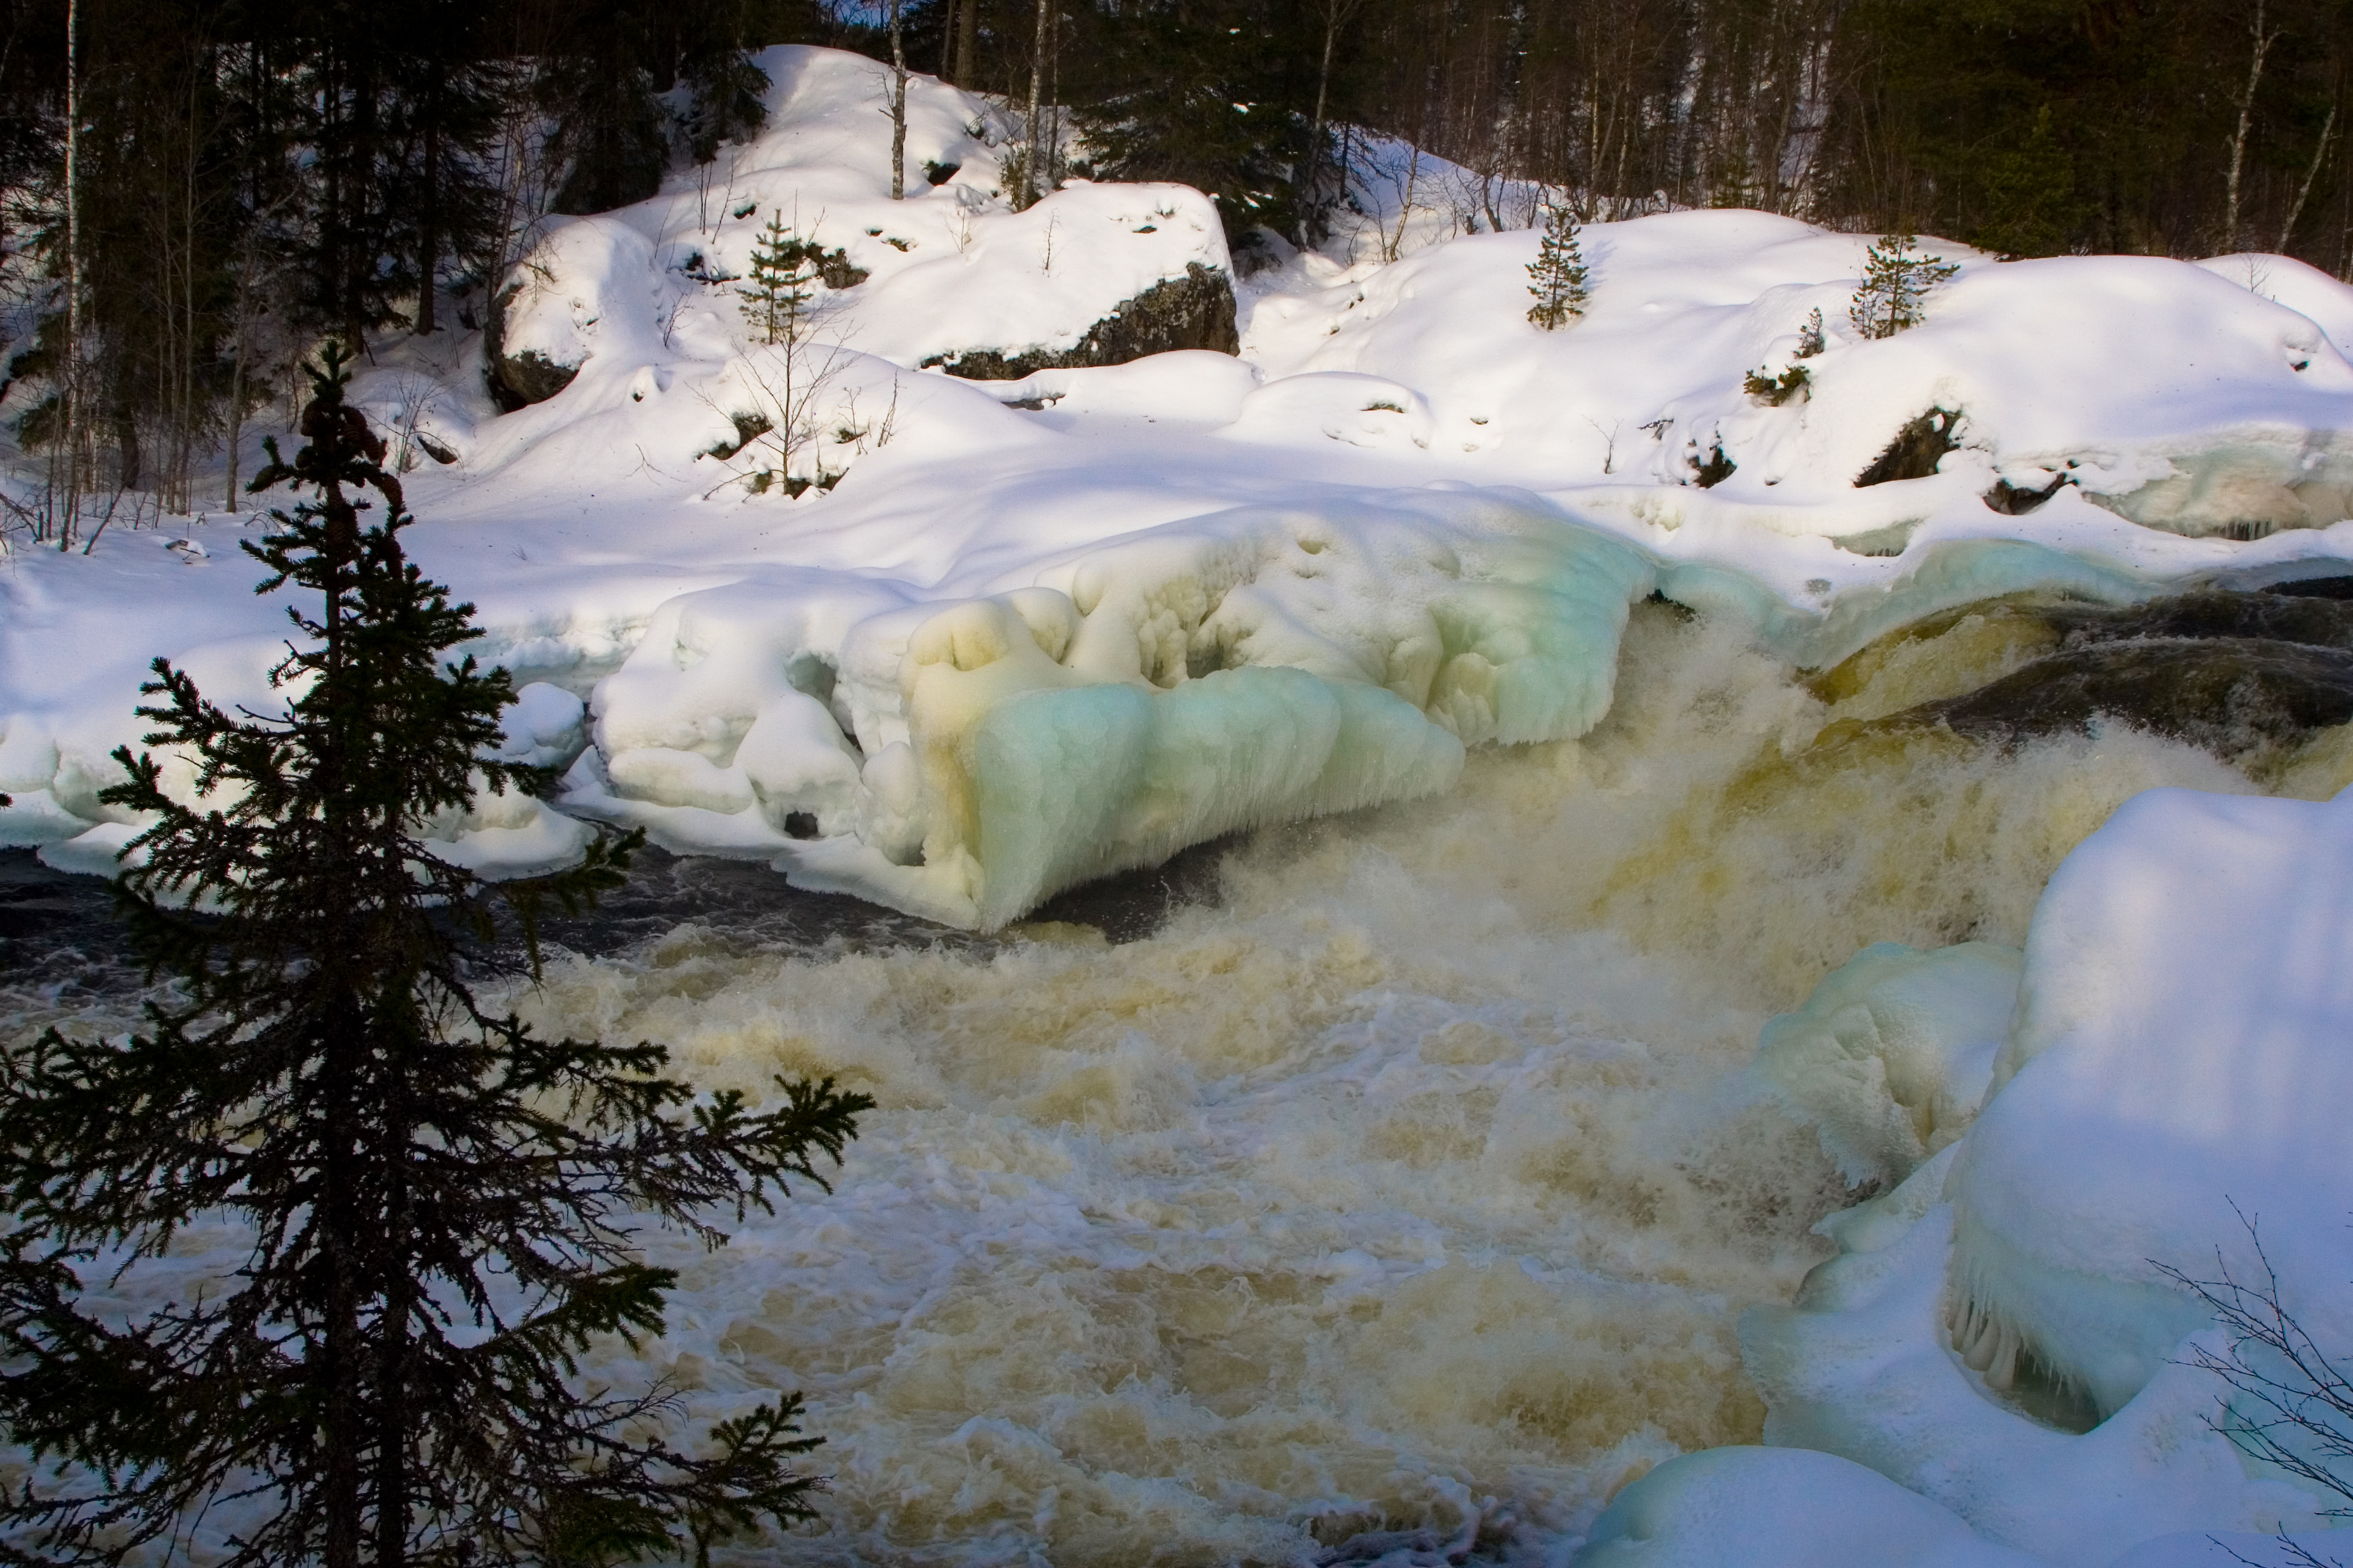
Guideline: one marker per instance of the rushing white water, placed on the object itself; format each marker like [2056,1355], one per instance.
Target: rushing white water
[1414,1187]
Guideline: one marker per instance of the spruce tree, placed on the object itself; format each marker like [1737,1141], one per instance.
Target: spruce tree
[776,287]
[1558,276]
[1896,282]
[434,1205]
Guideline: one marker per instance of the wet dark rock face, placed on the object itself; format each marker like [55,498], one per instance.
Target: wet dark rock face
[2224,694]
[2229,672]
[1195,312]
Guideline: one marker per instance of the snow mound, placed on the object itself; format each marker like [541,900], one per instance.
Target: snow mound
[2179,1059]
[1781,1508]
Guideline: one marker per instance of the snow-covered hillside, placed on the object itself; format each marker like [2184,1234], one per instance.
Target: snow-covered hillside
[954,644]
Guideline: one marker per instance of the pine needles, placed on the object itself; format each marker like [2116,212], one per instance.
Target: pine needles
[437,1205]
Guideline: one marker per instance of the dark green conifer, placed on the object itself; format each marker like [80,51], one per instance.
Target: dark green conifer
[1558,276]
[775,291]
[433,1202]
[1896,282]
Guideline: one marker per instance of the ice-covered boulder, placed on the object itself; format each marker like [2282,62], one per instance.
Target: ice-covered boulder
[968,758]
[1890,1055]
[2182,1057]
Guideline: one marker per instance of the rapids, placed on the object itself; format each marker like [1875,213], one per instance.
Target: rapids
[1391,1187]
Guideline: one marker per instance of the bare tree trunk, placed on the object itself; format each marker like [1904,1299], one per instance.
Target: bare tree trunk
[428,240]
[898,106]
[1029,191]
[2264,41]
[73,275]
[968,43]
[2312,171]
[1315,127]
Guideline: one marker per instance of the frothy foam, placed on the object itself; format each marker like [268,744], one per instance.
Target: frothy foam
[1414,1187]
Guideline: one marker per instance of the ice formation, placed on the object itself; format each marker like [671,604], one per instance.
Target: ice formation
[1434,1169]
[2174,1075]
[1890,1055]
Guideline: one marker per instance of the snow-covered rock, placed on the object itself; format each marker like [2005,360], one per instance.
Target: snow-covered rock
[2182,1057]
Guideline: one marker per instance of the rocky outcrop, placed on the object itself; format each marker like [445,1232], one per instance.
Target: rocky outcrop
[1195,312]
[1916,450]
[518,380]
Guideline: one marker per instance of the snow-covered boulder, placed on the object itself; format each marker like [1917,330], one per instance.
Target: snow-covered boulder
[2182,1057]
[588,286]
[1192,312]
[2003,1333]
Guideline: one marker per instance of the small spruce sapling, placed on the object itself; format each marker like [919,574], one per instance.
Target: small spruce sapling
[1810,340]
[1896,283]
[436,1208]
[776,292]
[1557,277]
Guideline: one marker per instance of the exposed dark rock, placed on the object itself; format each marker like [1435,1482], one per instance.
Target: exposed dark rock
[2315,588]
[1714,468]
[1195,312]
[2225,694]
[749,427]
[2015,501]
[940,174]
[519,380]
[2312,621]
[1915,451]
[836,270]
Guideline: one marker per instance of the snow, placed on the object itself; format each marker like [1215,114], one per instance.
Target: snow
[2175,1061]
[2179,1049]
[1017,635]
[1781,1508]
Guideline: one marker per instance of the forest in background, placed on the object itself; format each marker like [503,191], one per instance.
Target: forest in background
[251,177]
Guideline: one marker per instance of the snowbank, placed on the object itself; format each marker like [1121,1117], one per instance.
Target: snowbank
[1781,1508]
[1998,1333]
[956,644]
[2179,1059]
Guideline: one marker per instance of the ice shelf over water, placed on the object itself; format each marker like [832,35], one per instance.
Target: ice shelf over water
[1437,1165]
